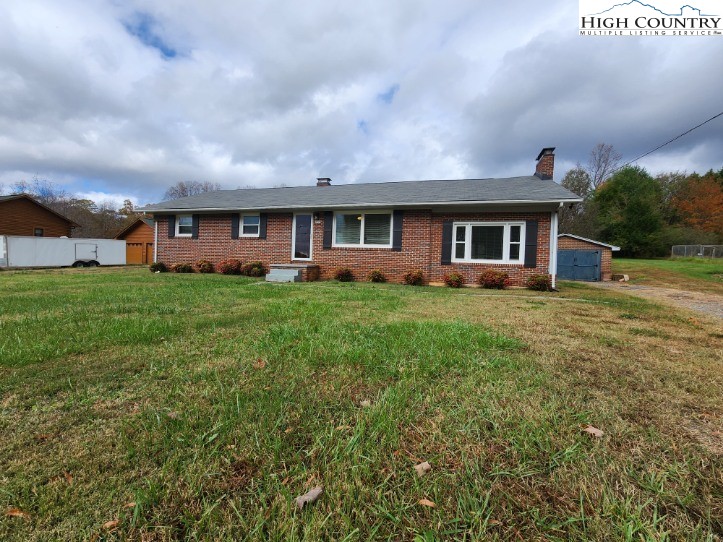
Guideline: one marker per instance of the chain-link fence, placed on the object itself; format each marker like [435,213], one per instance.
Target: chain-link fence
[697,251]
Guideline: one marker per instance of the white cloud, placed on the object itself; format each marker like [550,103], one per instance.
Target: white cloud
[268,93]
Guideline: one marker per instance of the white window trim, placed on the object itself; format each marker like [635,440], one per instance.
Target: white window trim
[311,240]
[361,232]
[178,225]
[241,226]
[505,242]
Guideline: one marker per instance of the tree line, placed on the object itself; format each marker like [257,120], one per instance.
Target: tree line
[642,214]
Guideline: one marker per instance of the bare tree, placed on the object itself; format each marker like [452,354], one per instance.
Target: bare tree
[184,189]
[579,219]
[604,161]
[43,190]
[577,180]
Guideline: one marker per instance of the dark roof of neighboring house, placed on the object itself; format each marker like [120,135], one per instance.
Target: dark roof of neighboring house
[519,190]
[147,221]
[36,202]
[613,247]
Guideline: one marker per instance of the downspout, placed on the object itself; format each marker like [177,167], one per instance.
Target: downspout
[155,241]
[553,246]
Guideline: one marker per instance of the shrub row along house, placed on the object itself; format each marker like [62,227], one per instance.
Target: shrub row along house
[438,226]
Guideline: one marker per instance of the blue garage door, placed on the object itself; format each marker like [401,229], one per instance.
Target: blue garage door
[579,264]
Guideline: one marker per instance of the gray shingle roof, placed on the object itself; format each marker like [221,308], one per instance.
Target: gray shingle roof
[529,189]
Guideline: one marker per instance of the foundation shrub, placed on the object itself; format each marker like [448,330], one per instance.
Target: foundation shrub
[343,274]
[229,267]
[414,277]
[494,279]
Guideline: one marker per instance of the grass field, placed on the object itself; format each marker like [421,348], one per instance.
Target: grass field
[139,406]
[698,274]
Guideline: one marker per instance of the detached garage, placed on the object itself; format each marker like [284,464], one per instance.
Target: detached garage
[139,241]
[579,258]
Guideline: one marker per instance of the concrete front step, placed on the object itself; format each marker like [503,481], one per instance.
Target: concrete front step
[283,275]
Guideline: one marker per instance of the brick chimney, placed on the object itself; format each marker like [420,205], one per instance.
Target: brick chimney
[323,181]
[545,163]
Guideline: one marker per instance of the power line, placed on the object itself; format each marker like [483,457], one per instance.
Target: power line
[668,142]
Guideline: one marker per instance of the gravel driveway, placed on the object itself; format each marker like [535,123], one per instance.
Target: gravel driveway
[705,303]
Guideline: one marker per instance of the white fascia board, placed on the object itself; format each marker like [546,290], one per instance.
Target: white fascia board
[400,205]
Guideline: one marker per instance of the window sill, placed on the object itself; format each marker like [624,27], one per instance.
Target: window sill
[383,247]
[490,262]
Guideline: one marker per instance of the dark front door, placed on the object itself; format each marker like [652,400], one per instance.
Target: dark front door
[578,264]
[302,237]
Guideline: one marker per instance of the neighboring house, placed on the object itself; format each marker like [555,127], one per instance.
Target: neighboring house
[440,227]
[138,236]
[579,258]
[20,214]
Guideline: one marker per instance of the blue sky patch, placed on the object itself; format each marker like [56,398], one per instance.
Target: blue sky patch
[363,126]
[388,96]
[145,27]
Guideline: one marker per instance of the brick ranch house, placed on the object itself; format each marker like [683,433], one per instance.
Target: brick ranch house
[438,226]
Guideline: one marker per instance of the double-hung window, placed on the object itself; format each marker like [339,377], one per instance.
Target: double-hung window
[354,229]
[488,242]
[184,225]
[250,225]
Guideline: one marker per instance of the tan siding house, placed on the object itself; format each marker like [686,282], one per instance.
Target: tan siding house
[22,215]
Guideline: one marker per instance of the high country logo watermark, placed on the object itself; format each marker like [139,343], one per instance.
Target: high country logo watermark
[651,18]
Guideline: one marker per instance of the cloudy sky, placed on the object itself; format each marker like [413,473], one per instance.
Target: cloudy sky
[123,98]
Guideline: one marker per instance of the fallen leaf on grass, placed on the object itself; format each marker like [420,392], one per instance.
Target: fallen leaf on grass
[594,431]
[111,525]
[173,415]
[423,468]
[259,364]
[289,430]
[309,497]
[427,502]
[17,513]
[68,478]
[365,403]
[130,505]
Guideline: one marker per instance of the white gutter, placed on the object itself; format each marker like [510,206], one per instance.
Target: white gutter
[553,245]
[362,205]
[155,241]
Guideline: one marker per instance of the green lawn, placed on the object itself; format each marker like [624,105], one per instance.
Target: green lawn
[200,406]
[702,274]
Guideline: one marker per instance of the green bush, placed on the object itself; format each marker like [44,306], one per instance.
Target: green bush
[454,280]
[182,268]
[540,283]
[229,267]
[376,275]
[414,278]
[494,279]
[343,274]
[158,267]
[253,269]
[204,266]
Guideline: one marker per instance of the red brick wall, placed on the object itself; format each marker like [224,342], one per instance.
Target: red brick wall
[470,271]
[606,258]
[421,246]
